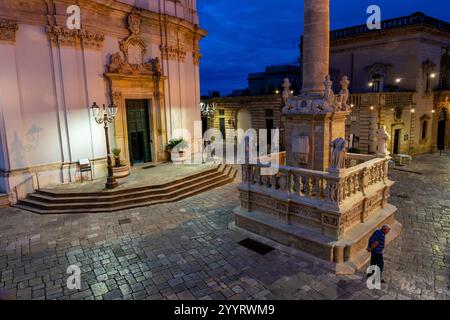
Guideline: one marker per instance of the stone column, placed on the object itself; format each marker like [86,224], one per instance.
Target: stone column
[316,45]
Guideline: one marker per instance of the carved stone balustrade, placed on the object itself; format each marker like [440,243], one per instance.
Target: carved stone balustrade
[331,202]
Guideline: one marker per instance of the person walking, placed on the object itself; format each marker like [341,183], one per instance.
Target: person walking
[376,247]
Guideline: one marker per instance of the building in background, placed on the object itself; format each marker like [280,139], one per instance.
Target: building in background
[270,81]
[143,59]
[400,78]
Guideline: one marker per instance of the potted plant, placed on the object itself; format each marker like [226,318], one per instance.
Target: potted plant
[116,153]
[179,145]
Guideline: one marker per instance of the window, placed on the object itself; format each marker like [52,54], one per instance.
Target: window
[424,121]
[377,83]
[398,114]
[424,130]
[221,112]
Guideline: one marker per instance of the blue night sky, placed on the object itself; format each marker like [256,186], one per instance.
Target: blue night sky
[247,35]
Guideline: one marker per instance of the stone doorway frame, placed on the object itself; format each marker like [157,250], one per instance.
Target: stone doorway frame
[139,87]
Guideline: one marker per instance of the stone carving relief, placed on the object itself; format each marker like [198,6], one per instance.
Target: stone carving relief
[130,61]
[330,221]
[8,30]
[301,149]
[330,102]
[196,56]
[338,154]
[173,52]
[62,36]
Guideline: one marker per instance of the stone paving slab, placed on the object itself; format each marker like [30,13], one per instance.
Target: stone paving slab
[185,250]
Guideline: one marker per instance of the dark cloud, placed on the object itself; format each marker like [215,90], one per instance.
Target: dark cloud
[247,35]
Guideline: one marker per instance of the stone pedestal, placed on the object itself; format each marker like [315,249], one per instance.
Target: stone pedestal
[320,203]
[321,130]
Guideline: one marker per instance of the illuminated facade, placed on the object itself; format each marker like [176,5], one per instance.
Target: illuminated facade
[144,59]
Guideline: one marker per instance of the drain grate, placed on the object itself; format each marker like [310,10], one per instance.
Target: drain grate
[256,246]
[124,221]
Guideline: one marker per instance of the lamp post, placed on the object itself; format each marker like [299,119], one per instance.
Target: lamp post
[106,116]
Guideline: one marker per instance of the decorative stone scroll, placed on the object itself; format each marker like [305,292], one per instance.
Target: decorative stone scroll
[130,61]
[8,30]
[62,36]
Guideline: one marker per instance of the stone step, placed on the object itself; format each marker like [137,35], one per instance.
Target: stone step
[47,197]
[56,193]
[4,200]
[112,206]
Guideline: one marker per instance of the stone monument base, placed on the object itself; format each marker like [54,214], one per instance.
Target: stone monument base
[345,256]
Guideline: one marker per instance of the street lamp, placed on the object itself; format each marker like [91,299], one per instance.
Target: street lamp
[208,109]
[106,116]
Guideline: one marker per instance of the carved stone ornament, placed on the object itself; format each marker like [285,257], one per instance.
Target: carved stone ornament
[196,57]
[328,103]
[63,36]
[130,61]
[173,52]
[8,30]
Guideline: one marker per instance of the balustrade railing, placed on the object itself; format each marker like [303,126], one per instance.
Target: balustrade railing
[335,187]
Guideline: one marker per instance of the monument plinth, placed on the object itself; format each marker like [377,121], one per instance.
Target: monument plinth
[325,202]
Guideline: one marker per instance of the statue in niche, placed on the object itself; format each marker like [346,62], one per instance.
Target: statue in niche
[382,139]
[339,152]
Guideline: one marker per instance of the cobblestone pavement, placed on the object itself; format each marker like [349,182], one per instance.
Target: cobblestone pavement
[186,251]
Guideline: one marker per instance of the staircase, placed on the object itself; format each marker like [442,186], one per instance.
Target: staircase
[46,201]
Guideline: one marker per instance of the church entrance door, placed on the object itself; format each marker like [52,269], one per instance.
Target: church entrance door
[139,140]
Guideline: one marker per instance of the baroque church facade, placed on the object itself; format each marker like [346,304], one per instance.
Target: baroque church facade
[141,56]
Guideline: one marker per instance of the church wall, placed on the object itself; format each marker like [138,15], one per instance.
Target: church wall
[46,89]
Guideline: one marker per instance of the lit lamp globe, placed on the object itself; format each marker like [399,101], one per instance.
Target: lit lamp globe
[112,110]
[95,110]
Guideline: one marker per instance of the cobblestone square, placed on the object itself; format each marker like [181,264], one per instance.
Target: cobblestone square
[185,250]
